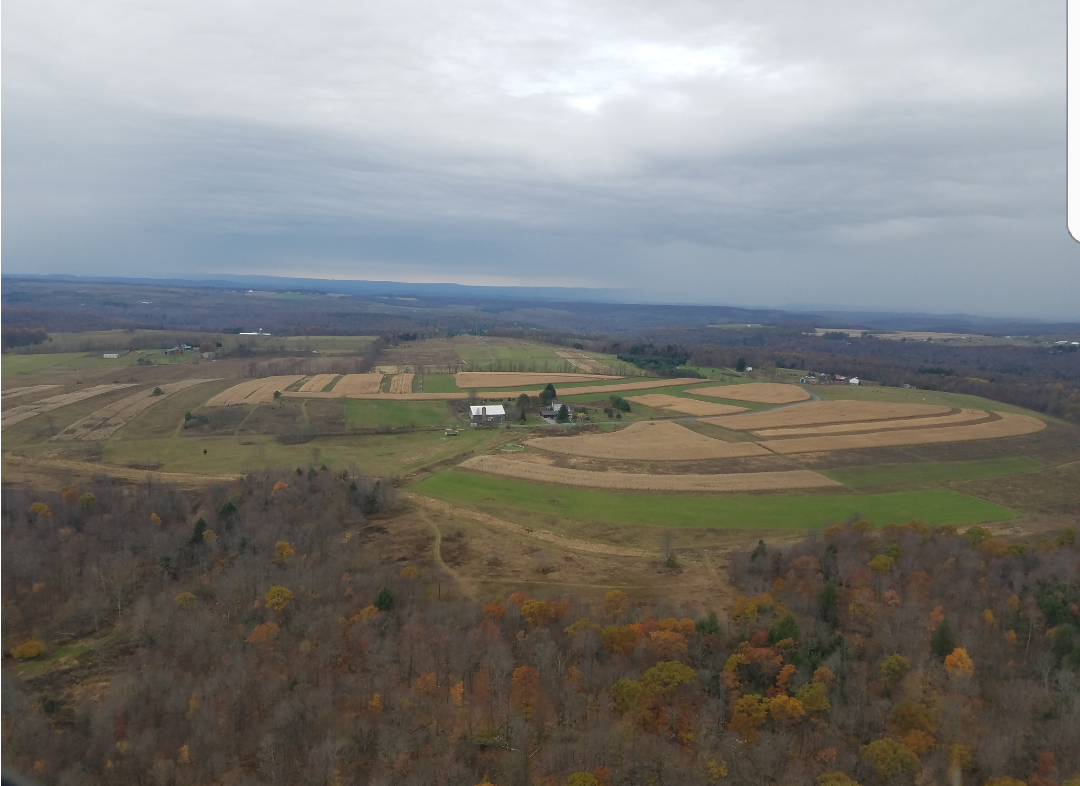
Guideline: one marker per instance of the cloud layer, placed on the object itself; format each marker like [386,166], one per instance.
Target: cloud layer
[907,156]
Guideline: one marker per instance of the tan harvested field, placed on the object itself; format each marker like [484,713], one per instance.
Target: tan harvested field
[686,406]
[382,396]
[633,481]
[473,380]
[317,383]
[962,417]
[584,362]
[254,391]
[401,383]
[621,387]
[13,392]
[10,417]
[108,420]
[648,441]
[759,392]
[1009,425]
[820,412]
[354,385]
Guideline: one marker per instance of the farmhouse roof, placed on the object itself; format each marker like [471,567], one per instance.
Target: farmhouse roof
[487,409]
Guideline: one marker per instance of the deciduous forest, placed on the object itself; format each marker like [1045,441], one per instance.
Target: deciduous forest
[253,636]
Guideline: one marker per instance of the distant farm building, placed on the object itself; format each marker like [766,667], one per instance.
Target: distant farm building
[486,414]
[111,355]
[853,381]
[207,355]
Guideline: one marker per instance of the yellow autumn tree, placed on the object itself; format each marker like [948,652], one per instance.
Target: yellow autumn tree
[890,758]
[749,713]
[784,708]
[29,650]
[615,603]
[409,573]
[155,519]
[278,597]
[185,600]
[41,509]
[283,552]
[835,779]
[959,663]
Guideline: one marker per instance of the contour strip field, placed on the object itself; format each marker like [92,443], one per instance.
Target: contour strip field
[108,420]
[820,412]
[254,391]
[685,406]
[759,392]
[317,383]
[353,385]
[401,383]
[629,481]
[13,392]
[26,411]
[963,417]
[648,441]
[471,380]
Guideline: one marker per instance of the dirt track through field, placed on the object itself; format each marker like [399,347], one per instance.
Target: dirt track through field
[472,380]
[254,391]
[108,420]
[538,534]
[317,383]
[820,412]
[10,417]
[963,417]
[648,441]
[1009,425]
[13,392]
[401,383]
[633,481]
[684,406]
[759,392]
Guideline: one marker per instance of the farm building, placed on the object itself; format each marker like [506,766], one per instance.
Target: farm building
[207,355]
[111,355]
[486,413]
[853,381]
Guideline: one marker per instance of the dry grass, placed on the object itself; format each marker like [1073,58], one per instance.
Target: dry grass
[1009,425]
[472,380]
[819,412]
[108,420]
[254,391]
[964,416]
[648,441]
[631,481]
[401,383]
[760,392]
[621,387]
[26,411]
[584,362]
[12,392]
[383,396]
[685,406]
[317,383]
[354,385]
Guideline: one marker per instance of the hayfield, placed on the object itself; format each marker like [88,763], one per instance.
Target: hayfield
[936,506]
[633,481]
[473,380]
[401,383]
[590,390]
[10,417]
[584,362]
[372,414]
[254,391]
[108,420]
[317,383]
[931,473]
[1009,425]
[686,406]
[356,385]
[761,392]
[819,412]
[648,441]
[962,417]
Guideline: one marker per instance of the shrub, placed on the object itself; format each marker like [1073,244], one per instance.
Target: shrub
[28,650]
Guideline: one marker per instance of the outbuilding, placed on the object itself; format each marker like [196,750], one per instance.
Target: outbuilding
[486,414]
[111,355]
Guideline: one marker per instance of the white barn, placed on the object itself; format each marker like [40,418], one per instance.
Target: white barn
[486,413]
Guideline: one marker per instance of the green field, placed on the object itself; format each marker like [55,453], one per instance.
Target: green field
[372,414]
[439,383]
[26,364]
[931,473]
[936,506]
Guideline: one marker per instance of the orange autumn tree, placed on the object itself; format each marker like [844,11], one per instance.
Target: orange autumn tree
[959,664]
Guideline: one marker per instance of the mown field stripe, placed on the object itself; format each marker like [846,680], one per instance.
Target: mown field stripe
[936,506]
[931,472]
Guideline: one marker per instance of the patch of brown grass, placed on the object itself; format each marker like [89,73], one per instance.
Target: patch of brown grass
[759,392]
[13,392]
[254,391]
[685,406]
[317,383]
[819,412]
[108,420]
[354,385]
[648,441]
[584,362]
[401,383]
[597,389]
[10,417]
[471,380]
[962,417]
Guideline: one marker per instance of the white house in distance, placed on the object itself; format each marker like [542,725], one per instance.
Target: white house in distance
[486,413]
[853,381]
[111,355]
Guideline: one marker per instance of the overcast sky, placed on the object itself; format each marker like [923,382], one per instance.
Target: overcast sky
[839,153]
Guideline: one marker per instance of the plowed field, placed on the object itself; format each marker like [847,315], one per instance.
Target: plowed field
[108,420]
[963,417]
[648,441]
[686,406]
[401,383]
[317,383]
[760,392]
[254,391]
[632,481]
[1009,425]
[26,411]
[472,380]
[819,412]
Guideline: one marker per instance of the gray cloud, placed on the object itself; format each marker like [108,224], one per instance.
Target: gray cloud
[903,156]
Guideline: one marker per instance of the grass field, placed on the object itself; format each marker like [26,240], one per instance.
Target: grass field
[936,506]
[371,414]
[439,383]
[27,364]
[931,473]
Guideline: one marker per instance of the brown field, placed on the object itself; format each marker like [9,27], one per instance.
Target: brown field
[401,383]
[355,385]
[648,441]
[962,417]
[686,406]
[1009,425]
[820,412]
[584,362]
[471,380]
[108,420]
[383,396]
[597,389]
[760,392]
[26,411]
[317,383]
[634,481]
[254,391]
[11,392]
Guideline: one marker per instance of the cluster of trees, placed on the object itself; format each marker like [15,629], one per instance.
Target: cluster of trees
[22,335]
[257,636]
